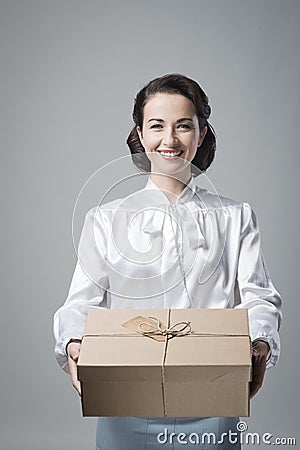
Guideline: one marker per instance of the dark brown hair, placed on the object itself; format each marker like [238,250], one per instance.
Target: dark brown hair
[174,84]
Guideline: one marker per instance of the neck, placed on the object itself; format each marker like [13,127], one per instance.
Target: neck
[172,187]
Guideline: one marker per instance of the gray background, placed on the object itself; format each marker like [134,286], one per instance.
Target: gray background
[69,72]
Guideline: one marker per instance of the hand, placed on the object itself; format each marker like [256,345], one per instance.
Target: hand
[73,351]
[260,350]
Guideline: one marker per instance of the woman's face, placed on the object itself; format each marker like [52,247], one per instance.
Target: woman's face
[171,133]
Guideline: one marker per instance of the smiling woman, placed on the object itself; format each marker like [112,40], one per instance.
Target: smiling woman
[205,252]
[170,132]
[172,105]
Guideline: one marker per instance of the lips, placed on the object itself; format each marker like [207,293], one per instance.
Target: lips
[170,154]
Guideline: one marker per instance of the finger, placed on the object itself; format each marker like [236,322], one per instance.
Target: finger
[258,372]
[73,356]
[77,386]
[254,388]
[74,375]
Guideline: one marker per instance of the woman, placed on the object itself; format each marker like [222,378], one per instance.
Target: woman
[184,247]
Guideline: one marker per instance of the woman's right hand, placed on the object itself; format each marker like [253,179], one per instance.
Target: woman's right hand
[73,351]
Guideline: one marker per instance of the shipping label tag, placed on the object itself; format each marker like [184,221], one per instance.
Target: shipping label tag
[147,326]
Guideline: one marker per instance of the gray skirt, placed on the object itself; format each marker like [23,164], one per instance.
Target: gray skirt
[149,433]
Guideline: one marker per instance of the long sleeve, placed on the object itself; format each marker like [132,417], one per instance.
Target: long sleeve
[88,286]
[255,288]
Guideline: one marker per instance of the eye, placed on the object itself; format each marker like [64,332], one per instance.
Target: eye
[156,125]
[184,126]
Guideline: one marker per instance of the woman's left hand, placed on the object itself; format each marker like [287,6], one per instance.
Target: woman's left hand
[260,350]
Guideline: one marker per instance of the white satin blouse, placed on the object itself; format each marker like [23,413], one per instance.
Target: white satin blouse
[142,251]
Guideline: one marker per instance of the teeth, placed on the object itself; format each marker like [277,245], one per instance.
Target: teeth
[170,153]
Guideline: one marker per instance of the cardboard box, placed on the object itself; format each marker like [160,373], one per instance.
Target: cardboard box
[202,372]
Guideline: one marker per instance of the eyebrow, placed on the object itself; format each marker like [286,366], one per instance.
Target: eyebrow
[183,119]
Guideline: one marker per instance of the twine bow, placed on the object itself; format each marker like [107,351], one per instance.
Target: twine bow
[168,332]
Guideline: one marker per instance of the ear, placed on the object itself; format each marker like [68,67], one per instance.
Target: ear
[202,136]
[139,132]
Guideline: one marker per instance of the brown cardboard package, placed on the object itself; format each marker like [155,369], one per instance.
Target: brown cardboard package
[201,371]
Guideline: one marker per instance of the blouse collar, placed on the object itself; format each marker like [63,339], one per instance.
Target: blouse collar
[186,195]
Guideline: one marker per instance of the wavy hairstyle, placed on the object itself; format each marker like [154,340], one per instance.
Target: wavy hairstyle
[174,84]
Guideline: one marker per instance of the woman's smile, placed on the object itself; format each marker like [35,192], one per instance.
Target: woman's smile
[170,154]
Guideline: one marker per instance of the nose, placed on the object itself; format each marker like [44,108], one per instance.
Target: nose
[169,138]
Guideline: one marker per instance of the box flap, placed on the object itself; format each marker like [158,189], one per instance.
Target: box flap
[209,351]
[110,320]
[223,321]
